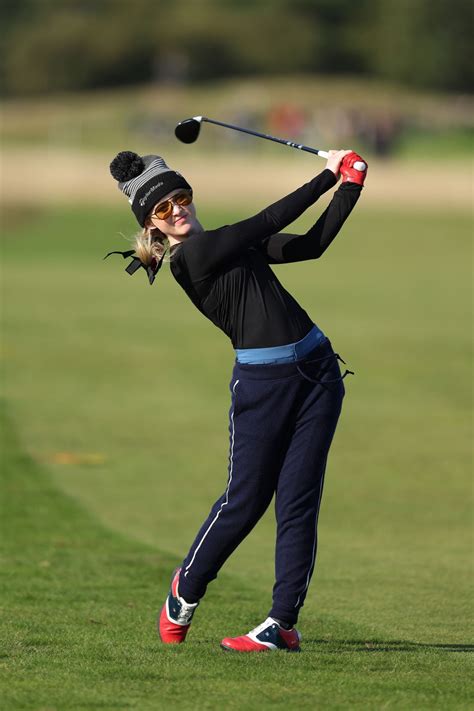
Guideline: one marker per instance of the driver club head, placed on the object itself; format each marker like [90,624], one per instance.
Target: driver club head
[187,131]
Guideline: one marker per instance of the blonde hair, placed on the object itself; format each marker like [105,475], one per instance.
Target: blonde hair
[150,243]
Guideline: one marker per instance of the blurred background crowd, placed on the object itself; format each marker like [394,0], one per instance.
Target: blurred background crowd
[385,73]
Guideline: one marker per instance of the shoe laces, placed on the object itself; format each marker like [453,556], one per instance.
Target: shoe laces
[268,622]
[186,611]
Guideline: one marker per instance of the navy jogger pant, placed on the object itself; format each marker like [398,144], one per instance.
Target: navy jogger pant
[282,421]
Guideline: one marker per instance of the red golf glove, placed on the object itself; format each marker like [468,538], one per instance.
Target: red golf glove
[351,169]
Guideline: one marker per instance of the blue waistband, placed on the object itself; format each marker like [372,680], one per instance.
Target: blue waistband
[282,354]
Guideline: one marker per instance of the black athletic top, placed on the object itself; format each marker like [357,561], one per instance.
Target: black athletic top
[226,274]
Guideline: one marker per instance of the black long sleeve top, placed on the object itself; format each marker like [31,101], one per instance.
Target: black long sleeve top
[226,273]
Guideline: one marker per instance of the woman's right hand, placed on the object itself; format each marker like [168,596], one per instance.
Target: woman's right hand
[335,159]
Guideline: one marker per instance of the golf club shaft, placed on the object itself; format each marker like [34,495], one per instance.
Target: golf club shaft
[299,146]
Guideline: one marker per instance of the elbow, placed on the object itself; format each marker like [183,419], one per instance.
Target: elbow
[312,254]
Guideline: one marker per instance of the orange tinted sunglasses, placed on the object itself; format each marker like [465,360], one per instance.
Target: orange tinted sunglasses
[164,209]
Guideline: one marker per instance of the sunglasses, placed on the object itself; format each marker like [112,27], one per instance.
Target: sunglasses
[164,209]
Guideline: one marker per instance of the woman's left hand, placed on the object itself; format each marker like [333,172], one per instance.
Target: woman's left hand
[335,160]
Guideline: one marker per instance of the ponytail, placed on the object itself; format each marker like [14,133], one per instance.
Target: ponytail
[149,244]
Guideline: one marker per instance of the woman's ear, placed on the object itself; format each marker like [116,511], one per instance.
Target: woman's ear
[155,232]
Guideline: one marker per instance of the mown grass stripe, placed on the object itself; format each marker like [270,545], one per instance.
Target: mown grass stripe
[77,628]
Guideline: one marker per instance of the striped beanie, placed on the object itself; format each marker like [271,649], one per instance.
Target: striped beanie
[144,180]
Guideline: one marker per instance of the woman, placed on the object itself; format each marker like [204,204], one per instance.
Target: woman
[286,386]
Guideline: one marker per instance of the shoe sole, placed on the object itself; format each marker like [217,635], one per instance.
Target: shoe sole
[236,651]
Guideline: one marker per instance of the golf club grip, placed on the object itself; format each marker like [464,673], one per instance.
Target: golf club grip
[358,165]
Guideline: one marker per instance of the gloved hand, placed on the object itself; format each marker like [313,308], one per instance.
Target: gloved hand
[351,169]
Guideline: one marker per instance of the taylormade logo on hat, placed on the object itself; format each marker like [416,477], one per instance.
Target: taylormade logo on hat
[137,178]
[143,200]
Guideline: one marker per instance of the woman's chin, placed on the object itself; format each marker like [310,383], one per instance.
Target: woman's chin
[181,226]
[182,234]
[185,230]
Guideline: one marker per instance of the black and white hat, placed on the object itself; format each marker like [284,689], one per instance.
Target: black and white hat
[144,180]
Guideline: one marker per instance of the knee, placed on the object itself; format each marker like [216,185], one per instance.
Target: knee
[249,509]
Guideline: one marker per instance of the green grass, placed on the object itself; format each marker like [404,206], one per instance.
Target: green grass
[129,383]
[416,144]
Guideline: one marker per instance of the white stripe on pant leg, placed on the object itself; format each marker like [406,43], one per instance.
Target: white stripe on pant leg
[231,468]
[313,556]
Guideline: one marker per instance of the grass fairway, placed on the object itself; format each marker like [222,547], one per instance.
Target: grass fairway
[116,445]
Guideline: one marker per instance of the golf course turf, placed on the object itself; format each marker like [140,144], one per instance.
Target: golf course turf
[114,421]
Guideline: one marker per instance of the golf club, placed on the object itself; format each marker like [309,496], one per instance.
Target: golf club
[188,131]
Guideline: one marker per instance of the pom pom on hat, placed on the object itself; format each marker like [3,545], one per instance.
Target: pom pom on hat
[126,165]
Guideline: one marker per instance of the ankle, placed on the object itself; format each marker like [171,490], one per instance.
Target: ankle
[285,625]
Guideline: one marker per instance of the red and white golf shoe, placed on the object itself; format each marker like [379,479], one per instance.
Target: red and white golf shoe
[176,615]
[269,636]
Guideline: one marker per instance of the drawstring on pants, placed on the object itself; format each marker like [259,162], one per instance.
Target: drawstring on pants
[324,382]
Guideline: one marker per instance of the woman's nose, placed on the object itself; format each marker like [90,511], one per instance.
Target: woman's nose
[177,208]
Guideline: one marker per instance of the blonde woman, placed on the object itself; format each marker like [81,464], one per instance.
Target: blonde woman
[286,386]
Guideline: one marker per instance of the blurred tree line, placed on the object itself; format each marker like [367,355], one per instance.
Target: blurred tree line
[56,45]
